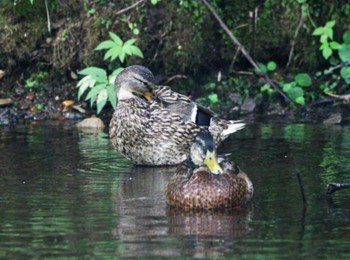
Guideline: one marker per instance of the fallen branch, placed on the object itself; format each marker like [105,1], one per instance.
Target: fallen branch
[335,186]
[130,7]
[245,53]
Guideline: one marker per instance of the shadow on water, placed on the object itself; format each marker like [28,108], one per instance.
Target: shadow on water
[65,193]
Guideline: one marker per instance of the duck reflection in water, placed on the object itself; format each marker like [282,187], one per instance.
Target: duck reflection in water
[145,219]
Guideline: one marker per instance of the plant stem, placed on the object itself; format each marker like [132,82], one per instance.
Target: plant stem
[48,17]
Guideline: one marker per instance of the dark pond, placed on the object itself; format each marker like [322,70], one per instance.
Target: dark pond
[64,193]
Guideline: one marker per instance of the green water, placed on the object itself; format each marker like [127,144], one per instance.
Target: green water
[64,193]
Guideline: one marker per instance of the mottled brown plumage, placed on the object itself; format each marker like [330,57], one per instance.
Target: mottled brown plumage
[153,125]
[201,189]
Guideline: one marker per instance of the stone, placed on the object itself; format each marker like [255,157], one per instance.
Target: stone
[92,123]
[248,105]
[335,118]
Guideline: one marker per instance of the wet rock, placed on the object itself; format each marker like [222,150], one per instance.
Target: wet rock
[276,109]
[335,118]
[92,123]
[248,106]
[234,97]
[7,116]
[25,104]
[19,90]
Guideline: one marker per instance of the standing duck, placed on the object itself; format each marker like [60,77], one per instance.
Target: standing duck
[205,182]
[153,125]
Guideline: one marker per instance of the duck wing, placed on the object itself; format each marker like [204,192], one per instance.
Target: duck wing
[183,106]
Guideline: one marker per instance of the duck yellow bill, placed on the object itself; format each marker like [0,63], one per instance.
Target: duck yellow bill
[148,96]
[211,162]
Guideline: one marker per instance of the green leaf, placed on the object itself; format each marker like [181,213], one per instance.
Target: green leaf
[324,45]
[96,73]
[105,45]
[329,33]
[86,80]
[327,52]
[300,100]
[287,87]
[301,1]
[265,87]
[112,96]
[213,98]
[101,100]
[136,51]
[303,79]
[84,84]
[117,71]
[318,31]
[130,42]
[271,65]
[116,39]
[122,56]
[113,53]
[296,92]
[136,31]
[154,2]
[344,52]
[94,92]
[324,38]
[334,45]
[345,72]
[262,68]
[330,24]
[346,37]
[117,50]
[127,49]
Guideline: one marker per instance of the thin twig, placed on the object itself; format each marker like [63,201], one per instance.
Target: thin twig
[176,77]
[48,17]
[301,22]
[245,53]
[130,7]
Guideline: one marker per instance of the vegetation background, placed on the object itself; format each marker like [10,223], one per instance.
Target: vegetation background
[302,45]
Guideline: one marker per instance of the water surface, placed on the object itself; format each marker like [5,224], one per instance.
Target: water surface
[65,193]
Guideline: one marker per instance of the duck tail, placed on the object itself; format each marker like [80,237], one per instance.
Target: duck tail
[232,126]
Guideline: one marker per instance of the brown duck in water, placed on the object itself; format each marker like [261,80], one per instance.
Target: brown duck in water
[153,125]
[214,184]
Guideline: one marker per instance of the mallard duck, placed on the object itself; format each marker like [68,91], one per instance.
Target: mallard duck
[153,125]
[207,182]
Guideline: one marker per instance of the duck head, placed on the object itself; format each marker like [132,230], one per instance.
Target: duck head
[203,153]
[135,81]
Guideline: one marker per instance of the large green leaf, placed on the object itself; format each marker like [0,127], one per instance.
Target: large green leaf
[112,96]
[303,79]
[94,92]
[346,37]
[344,52]
[130,42]
[101,100]
[318,31]
[345,72]
[116,38]
[96,73]
[105,45]
[295,92]
[136,51]
[327,52]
